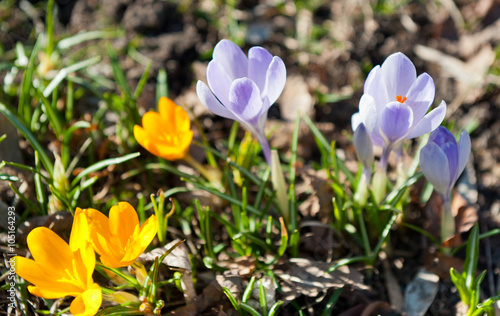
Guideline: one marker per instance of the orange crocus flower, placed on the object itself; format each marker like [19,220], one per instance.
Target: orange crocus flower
[59,269]
[166,134]
[119,239]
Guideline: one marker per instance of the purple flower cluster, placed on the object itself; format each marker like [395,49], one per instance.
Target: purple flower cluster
[243,89]
[395,102]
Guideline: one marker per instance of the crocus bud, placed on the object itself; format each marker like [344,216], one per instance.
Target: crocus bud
[442,160]
[364,149]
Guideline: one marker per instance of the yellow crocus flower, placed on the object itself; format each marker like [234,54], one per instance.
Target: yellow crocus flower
[60,270]
[119,239]
[166,134]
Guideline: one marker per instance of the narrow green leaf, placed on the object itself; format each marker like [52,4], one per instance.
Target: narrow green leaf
[102,164]
[262,298]
[275,307]
[29,136]
[161,85]
[471,257]
[232,299]
[248,291]
[40,192]
[79,38]
[63,73]
[52,115]
[249,309]
[142,81]
[30,205]
[118,72]
[326,146]
[331,302]
[24,107]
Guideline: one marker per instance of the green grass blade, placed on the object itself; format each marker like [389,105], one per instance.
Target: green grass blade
[102,164]
[44,158]
[274,308]
[248,291]
[326,146]
[71,41]
[161,85]
[63,73]
[52,115]
[142,81]
[472,254]
[24,107]
[118,72]
[249,309]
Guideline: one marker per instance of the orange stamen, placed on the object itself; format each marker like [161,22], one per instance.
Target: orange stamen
[400,99]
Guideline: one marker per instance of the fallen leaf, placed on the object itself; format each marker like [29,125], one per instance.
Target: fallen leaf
[301,276]
[420,293]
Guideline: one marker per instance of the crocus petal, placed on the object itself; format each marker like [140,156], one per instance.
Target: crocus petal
[166,108]
[451,151]
[80,232]
[145,140]
[429,122]
[259,60]
[146,235]
[369,114]
[464,148]
[399,73]
[435,168]
[219,80]
[363,145]
[153,123]
[88,302]
[275,80]
[123,221]
[232,59]
[173,151]
[210,102]
[182,122]
[178,119]
[49,250]
[420,96]
[375,87]
[53,289]
[395,122]
[244,100]
[84,264]
[47,285]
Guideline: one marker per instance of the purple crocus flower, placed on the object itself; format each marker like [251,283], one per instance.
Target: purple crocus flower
[243,89]
[442,160]
[395,102]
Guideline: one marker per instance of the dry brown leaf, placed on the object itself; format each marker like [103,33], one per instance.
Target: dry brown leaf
[306,277]
[178,259]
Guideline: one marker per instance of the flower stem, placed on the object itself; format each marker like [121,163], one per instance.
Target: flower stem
[447,220]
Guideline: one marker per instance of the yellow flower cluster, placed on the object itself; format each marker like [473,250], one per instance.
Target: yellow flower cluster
[59,269]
